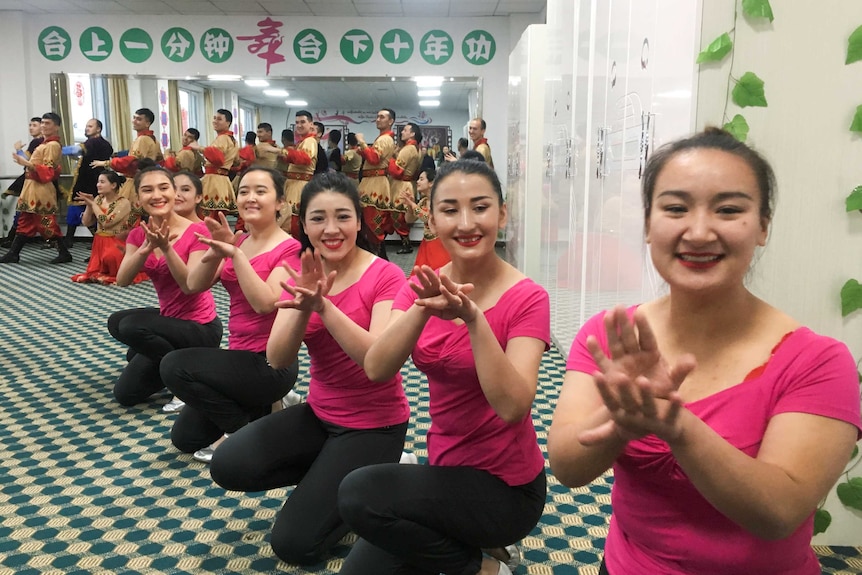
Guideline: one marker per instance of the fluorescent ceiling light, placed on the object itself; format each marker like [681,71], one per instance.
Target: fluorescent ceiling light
[428,93]
[257,83]
[296,102]
[224,78]
[429,103]
[429,81]
[277,93]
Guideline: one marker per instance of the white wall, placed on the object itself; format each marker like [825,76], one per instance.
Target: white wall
[814,245]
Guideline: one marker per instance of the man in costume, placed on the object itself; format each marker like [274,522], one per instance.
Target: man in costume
[403,170]
[301,161]
[38,201]
[220,158]
[144,146]
[476,131]
[374,188]
[265,155]
[187,158]
[352,161]
[35,128]
[95,147]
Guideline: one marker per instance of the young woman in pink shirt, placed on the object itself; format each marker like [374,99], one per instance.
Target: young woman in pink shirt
[224,389]
[477,328]
[337,304]
[726,422]
[164,248]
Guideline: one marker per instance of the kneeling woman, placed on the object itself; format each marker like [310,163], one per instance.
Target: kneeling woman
[164,248]
[341,302]
[478,331]
[113,217]
[225,389]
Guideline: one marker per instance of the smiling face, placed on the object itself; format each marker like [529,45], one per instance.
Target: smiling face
[407,133]
[187,139]
[156,193]
[423,186]
[466,214]
[49,128]
[303,126]
[332,225]
[705,222]
[140,123]
[264,135]
[475,131]
[220,123]
[256,198]
[187,200]
[104,186]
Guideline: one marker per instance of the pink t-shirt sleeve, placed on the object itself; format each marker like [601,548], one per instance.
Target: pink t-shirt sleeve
[531,313]
[825,381]
[195,244]
[580,359]
[136,236]
[405,296]
[388,283]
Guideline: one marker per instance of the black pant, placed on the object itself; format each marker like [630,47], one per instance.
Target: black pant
[603,569]
[295,447]
[150,337]
[223,389]
[422,519]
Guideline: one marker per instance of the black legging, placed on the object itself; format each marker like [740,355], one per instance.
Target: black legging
[150,337]
[223,390]
[295,447]
[423,519]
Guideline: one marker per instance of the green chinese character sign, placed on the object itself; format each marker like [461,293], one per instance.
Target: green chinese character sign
[356,46]
[217,45]
[96,44]
[54,43]
[478,47]
[436,47]
[396,46]
[178,44]
[136,46]
[309,46]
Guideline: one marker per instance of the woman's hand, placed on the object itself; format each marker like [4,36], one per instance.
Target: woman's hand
[637,385]
[311,285]
[218,249]
[86,198]
[158,236]
[407,197]
[220,230]
[444,298]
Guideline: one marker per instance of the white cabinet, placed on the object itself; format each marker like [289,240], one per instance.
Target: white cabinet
[618,81]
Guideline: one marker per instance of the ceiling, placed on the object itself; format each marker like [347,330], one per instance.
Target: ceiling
[330,8]
[341,94]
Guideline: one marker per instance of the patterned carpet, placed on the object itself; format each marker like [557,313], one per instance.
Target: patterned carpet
[87,486]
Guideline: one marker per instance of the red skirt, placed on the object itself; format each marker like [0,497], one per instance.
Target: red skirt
[432,254]
[105,259]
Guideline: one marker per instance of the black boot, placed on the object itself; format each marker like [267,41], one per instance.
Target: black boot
[381,251]
[70,235]
[11,256]
[64,257]
[406,248]
[7,241]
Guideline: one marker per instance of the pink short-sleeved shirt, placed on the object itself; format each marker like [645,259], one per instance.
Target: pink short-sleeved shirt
[339,391]
[661,523]
[247,329]
[465,430]
[198,307]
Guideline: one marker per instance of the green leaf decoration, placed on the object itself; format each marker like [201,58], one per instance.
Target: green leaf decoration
[851,297]
[855,452]
[854,46]
[822,520]
[749,91]
[856,126]
[850,493]
[758,9]
[738,128]
[854,200]
[717,50]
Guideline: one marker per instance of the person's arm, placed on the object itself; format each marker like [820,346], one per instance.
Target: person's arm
[800,459]
[88,218]
[206,271]
[285,337]
[133,262]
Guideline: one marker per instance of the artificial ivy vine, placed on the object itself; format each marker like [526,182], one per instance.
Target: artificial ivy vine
[748,89]
[849,491]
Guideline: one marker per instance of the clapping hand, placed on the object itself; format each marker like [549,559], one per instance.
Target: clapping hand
[442,297]
[219,228]
[311,285]
[637,385]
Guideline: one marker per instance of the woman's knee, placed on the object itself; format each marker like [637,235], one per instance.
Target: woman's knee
[359,492]
[294,544]
[174,370]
